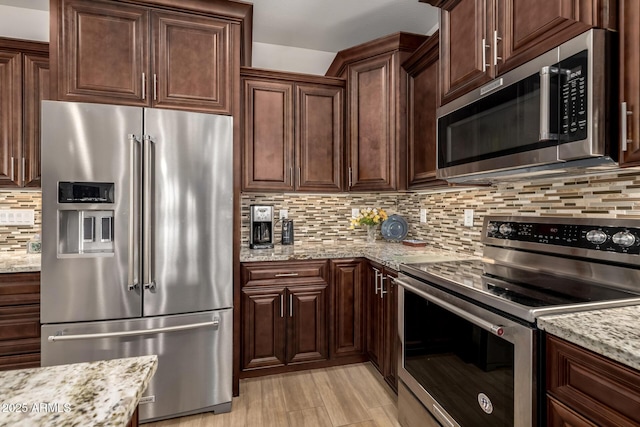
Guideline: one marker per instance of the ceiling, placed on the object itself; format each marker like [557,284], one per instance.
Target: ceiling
[326,25]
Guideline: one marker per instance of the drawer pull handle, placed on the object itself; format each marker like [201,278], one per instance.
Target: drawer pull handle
[286,274]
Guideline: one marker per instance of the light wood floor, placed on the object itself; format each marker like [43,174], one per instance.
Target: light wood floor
[351,395]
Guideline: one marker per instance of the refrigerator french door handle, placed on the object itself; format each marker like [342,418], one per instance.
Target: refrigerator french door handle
[215,323]
[147,223]
[133,282]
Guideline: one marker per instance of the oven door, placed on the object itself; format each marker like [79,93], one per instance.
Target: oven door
[467,365]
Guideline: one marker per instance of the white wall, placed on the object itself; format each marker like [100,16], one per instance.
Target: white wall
[21,23]
[286,58]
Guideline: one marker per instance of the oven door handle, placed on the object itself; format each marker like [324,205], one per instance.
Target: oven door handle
[495,329]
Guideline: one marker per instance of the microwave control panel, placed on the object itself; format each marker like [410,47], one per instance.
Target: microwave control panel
[573,97]
[611,239]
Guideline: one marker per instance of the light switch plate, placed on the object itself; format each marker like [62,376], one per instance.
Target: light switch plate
[423,215]
[355,212]
[17,217]
[284,213]
[468,217]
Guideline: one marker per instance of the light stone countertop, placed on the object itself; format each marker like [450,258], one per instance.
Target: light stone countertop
[613,332]
[104,393]
[15,262]
[389,254]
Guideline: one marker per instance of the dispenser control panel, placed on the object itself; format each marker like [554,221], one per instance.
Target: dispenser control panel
[85,192]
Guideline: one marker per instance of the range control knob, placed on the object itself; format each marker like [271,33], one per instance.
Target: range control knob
[505,229]
[624,239]
[492,228]
[597,237]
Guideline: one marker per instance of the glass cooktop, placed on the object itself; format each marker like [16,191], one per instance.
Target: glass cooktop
[517,291]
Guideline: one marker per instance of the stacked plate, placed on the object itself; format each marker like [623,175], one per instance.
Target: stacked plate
[395,228]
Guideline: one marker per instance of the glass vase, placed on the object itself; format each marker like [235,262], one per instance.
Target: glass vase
[372,230]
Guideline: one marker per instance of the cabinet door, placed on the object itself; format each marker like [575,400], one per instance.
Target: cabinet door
[525,30]
[422,124]
[36,89]
[268,135]
[347,317]
[104,53]
[464,48]
[630,80]
[391,339]
[10,117]
[263,327]
[319,136]
[558,415]
[375,317]
[191,62]
[307,338]
[372,136]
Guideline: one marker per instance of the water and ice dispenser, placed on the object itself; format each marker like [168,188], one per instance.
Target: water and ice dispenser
[85,231]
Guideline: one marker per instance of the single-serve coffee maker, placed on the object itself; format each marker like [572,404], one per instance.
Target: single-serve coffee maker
[261,227]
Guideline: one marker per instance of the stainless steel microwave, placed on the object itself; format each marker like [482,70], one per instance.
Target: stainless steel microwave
[551,115]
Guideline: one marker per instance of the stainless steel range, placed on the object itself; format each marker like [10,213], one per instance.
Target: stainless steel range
[471,352]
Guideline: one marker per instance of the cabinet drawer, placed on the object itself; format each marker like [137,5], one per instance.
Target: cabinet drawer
[21,361]
[19,329]
[19,288]
[603,391]
[270,273]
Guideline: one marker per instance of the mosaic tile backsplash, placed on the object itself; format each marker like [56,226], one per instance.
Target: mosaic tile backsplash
[324,218]
[15,238]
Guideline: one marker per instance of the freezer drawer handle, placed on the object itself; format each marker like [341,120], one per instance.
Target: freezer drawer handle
[53,338]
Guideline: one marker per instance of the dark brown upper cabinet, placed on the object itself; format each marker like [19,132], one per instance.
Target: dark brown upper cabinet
[629,33]
[24,82]
[422,101]
[376,103]
[481,39]
[292,131]
[140,54]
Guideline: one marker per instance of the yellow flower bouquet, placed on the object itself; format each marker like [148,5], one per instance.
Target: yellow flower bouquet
[369,216]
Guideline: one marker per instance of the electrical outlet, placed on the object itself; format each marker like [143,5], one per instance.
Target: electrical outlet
[468,217]
[355,212]
[284,213]
[423,215]
[17,217]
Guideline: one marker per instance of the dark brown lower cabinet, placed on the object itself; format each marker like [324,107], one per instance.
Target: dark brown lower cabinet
[382,321]
[587,389]
[347,314]
[284,315]
[19,320]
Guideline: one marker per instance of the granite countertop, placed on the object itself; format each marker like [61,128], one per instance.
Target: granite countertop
[613,332]
[15,262]
[103,393]
[389,254]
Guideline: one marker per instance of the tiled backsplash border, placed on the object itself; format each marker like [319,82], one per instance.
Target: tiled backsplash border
[324,218]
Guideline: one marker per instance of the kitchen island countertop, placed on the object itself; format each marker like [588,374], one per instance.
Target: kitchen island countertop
[613,332]
[104,393]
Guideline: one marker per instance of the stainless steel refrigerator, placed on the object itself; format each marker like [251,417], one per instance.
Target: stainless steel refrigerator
[137,247]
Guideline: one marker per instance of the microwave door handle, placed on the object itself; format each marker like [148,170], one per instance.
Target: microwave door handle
[488,326]
[545,100]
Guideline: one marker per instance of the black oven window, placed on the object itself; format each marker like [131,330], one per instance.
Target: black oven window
[459,364]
